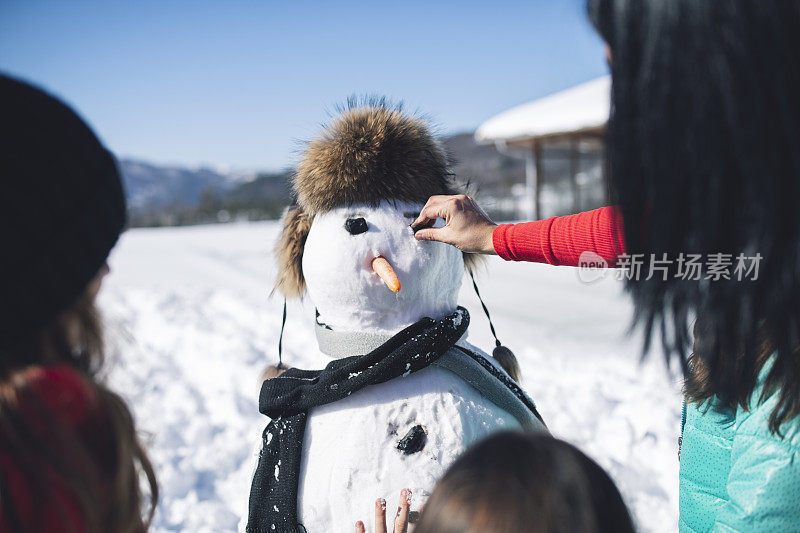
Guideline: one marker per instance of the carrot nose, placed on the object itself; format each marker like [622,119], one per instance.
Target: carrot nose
[385,271]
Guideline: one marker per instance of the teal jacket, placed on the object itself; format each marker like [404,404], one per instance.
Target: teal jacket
[736,475]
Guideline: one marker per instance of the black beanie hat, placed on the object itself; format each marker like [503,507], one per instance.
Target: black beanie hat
[62,208]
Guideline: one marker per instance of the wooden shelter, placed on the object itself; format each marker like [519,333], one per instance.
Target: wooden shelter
[563,130]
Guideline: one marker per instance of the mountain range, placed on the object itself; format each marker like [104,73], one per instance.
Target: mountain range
[172,195]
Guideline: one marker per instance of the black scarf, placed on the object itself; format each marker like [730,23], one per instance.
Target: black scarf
[288,398]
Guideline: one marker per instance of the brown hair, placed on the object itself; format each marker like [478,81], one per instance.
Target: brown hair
[513,482]
[101,472]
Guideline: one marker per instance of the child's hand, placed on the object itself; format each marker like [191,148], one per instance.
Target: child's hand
[466,227]
[400,521]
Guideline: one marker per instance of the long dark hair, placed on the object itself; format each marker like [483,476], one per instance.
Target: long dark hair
[704,157]
[102,474]
[513,482]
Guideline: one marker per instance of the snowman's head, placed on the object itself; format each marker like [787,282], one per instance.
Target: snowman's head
[341,279]
[374,166]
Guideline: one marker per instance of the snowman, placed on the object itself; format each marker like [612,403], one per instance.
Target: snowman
[405,393]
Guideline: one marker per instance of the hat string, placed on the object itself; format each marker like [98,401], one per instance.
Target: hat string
[281,366]
[485,309]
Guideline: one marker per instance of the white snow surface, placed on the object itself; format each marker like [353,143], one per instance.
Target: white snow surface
[192,327]
[584,106]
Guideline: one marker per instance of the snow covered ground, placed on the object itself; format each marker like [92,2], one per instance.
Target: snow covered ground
[193,326]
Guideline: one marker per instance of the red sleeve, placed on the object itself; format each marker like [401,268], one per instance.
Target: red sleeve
[561,240]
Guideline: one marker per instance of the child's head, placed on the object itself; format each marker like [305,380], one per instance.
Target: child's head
[512,482]
[67,436]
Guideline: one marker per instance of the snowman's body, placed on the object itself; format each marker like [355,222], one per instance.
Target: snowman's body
[350,450]
[352,447]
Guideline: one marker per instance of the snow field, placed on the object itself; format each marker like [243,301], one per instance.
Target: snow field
[192,327]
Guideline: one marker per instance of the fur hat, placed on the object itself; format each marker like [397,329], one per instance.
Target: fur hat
[367,154]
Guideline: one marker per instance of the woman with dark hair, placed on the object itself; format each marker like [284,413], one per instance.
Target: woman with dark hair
[70,459]
[703,147]
[512,482]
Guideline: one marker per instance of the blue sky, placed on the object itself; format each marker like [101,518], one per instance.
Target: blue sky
[239,83]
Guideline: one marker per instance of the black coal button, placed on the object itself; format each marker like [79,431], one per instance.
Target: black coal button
[414,440]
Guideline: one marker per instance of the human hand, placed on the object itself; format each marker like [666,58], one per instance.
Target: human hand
[400,521]
[467,226]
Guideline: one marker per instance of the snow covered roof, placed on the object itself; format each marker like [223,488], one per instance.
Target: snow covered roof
[583,107]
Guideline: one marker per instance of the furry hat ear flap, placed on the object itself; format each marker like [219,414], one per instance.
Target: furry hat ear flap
[289,251]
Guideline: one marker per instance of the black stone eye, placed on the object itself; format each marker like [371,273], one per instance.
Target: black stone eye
[355,226]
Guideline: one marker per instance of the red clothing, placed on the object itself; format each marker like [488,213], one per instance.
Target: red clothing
[61,398]
[561,240]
